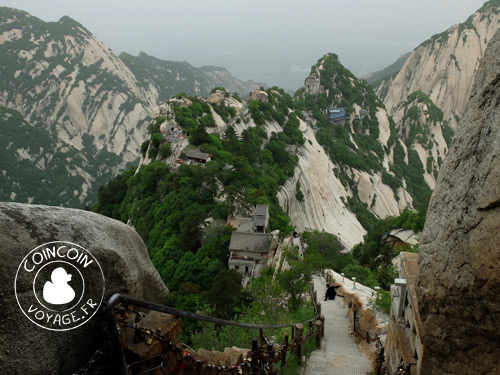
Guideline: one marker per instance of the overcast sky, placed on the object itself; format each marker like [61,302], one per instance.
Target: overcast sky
[270,41]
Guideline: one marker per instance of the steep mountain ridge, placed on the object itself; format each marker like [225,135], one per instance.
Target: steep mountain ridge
[59,76]
[443,67]
[64,80]
[377,167]
[322,207]
[341,177]
[420,123]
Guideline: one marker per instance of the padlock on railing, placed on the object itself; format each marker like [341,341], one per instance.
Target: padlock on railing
[149,336]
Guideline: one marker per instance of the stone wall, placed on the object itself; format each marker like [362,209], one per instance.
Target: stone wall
[403,343]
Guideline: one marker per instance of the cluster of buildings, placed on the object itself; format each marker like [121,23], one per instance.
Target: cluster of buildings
[250,245]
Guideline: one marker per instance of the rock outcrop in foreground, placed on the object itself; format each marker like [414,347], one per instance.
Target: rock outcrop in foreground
[26,348]
[459,268]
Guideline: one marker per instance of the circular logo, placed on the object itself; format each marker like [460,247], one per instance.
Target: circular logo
[59,285]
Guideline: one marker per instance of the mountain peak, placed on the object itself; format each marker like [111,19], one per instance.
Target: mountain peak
[443,66]
[68,21]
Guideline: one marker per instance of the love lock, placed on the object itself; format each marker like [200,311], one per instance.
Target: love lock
[149,336]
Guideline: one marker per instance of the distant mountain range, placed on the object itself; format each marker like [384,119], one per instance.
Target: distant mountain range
[171,77]
[66,82]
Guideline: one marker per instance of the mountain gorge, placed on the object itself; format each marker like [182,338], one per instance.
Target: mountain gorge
[65,81]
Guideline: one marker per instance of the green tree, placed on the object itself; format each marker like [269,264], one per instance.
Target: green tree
[165,150]
[235,200]
[231,141]
[226,294]
[199,136]
[215,242]
[191,227]
[299,195]
[295,280]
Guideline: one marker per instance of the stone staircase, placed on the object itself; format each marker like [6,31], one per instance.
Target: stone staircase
[339,354]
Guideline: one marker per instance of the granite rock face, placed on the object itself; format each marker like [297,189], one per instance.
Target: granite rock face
[443,67]
[459,264]
[26,348]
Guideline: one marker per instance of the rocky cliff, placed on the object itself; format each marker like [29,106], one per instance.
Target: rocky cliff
[361,163]
[60,77]
[29,348]
[443,67]
[420,124]
[347,174]
[459,269]
[64,80]
[323,207]
[37,167]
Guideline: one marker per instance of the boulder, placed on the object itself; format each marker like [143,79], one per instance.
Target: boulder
[235,356]
[458,281]
[259,95]
[125,267]
[216,98]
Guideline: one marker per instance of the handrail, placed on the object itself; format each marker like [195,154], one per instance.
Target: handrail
[314,301]
[117,298]
[121,363]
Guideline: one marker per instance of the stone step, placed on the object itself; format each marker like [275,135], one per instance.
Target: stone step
[339,354]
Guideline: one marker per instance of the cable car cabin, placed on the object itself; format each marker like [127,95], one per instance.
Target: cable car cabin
[336,114]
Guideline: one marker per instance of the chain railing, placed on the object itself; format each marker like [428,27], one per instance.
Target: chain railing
[264,358]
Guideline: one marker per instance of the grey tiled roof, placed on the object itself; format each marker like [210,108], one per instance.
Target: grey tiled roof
[257,242]
[261,210]
[197,154]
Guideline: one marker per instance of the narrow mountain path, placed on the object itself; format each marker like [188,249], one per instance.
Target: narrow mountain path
[339,354]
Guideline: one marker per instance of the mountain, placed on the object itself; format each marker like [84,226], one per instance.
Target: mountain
[61,78]
[443,66]
[458,278]
[421,125]
[66,82]
[388,73]
[171,77]
[270,148]
[37,167]
[378,167]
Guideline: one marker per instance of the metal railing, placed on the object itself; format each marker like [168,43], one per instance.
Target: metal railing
[264,357]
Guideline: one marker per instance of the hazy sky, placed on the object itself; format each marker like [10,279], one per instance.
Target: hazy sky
[273,41]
